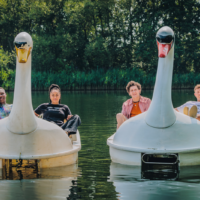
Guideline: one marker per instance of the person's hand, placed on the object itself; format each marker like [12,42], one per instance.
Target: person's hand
[198,117]
[69,116]
[36,114]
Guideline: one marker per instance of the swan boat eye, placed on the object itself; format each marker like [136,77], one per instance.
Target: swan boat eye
[20,44]
[165,39]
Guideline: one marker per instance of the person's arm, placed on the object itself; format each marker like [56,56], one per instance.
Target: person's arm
[124,110]
[69,116]
[36,114]
[68,113]
[148,104]
[39,110]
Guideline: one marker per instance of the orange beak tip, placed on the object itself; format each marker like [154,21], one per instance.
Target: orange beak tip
[163,50]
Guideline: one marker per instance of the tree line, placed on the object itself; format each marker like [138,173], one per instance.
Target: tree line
[88,35]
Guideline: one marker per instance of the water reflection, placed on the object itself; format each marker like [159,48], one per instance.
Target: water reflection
[53,183]
[30,170]
[160,167]
[40,189]
[130,183]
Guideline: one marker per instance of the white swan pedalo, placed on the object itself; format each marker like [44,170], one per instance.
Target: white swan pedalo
[22,134]
[161,130]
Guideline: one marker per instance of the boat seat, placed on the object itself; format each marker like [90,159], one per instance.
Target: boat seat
[72,136]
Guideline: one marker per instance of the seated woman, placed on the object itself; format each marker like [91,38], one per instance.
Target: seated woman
[134,106]
[58,113]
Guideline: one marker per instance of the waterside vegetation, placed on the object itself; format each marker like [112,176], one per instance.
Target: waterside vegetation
[101,79]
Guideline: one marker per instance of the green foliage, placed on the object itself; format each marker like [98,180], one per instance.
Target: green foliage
[97,54]
[97,42]
[6,59]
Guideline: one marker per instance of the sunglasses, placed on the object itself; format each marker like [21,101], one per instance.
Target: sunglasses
[165,39]
[20,44]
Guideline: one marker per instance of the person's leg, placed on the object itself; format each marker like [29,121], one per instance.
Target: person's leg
[186,110]
[193,111]
[120,119]
[72,124]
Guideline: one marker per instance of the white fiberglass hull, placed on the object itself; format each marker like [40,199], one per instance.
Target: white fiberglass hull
[182,138]
[48,144]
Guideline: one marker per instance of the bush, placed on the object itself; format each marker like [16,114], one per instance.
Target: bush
[97,78]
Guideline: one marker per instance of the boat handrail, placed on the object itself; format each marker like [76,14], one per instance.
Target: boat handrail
[160,163]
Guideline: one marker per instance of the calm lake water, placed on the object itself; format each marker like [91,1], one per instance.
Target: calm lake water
[95,176]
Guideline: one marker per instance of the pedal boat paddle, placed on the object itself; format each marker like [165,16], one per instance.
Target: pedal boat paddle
[22,134]
[161,130]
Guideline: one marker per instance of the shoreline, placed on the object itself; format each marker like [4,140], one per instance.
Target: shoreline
[111,88]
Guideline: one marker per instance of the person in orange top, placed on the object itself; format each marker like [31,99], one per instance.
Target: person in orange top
[134,106]
[135,110]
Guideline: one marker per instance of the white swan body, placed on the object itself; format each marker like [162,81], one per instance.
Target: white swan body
[22,134]
[160,130]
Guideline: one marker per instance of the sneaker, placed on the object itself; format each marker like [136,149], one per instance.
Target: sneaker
[186,110]
[193,111]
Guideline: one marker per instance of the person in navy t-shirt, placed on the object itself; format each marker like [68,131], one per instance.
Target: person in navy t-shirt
[58,113]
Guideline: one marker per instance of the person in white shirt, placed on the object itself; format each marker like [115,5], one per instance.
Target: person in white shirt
[192,108]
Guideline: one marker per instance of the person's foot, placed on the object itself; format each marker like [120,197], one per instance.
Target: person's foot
[186,110]
[193,111]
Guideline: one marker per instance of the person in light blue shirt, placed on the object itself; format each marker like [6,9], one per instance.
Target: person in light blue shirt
[5,108]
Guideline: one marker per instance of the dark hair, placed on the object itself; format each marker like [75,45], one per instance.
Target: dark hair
[133,83]
[54,87]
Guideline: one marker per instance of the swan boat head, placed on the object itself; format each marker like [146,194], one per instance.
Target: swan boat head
[165,41]
[23,45]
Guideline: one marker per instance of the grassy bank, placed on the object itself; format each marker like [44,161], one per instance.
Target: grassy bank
[100,79]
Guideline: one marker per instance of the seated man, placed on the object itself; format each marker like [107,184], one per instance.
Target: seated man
[134,106]
[4,107]
[192,108]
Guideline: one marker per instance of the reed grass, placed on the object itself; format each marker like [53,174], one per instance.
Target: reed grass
[101,79]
